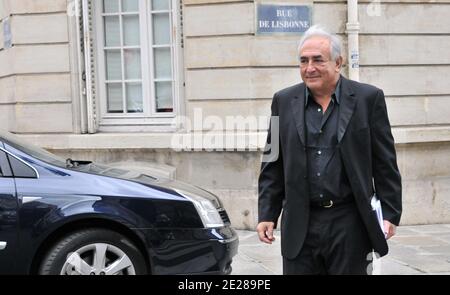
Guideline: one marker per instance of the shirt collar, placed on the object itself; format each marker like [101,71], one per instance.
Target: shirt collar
[335,96]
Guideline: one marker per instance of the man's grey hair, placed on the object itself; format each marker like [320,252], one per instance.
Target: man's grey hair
[317,31]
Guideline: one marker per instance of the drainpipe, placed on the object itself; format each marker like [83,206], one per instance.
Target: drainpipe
[88,67]
[82,89]
[353,41]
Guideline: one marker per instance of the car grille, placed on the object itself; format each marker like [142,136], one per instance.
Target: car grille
[224,216]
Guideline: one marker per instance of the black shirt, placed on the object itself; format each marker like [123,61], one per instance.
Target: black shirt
[326,174]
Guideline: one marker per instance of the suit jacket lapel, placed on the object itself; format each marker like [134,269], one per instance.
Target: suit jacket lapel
[298,109]
[346,108]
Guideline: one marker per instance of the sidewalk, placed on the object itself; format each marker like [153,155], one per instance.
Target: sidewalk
[414,250]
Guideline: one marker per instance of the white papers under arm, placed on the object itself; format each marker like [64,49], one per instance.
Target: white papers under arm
[376,206]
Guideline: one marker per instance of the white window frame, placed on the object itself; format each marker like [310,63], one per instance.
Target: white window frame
[149,120]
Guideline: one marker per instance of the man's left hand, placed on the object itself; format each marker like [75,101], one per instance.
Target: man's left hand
[389,229]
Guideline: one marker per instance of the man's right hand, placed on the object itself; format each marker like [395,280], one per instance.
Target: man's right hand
[265,231]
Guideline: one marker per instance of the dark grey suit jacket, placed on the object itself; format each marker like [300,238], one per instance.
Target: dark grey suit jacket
[368,155]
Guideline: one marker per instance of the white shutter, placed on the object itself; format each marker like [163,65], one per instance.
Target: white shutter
[87,49]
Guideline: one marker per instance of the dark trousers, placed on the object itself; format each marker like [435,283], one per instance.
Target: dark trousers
[336,243]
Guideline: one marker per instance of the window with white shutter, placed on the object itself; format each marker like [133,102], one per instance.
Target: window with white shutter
[136,54]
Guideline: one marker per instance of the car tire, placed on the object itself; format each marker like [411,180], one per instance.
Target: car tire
[93,252]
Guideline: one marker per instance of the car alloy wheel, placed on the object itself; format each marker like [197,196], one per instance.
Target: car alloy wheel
[98,259]
[93,251]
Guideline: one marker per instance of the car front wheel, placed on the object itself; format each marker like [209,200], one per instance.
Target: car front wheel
[93,252]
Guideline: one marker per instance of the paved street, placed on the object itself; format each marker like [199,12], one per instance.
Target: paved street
[415,250]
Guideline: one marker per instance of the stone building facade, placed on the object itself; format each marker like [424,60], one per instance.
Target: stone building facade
[122,81]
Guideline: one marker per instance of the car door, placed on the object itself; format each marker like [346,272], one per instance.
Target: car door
[8,216]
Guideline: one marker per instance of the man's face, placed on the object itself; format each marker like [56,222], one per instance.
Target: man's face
[317,69]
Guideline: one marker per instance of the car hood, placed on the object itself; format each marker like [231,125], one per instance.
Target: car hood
[185,188]
[153,181]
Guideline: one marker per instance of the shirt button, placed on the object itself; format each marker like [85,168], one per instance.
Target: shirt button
[319,152]
[321,196]
[319,110]
[318,174]
[320,131]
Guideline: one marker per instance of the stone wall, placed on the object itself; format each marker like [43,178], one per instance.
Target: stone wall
[229,71]
[35,73]
[425,170]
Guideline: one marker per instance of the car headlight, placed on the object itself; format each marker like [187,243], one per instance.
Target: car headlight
[205,208]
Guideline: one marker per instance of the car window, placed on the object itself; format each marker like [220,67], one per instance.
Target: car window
[5,170]
[34,151]
[20,169]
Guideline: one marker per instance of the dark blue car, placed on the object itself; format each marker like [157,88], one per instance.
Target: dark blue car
[75,217]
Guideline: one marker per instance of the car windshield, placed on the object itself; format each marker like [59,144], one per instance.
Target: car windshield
[34,151]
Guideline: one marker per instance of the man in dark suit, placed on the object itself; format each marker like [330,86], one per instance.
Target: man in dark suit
[335,152]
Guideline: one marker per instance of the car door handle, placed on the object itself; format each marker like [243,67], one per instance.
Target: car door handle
[3,245]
